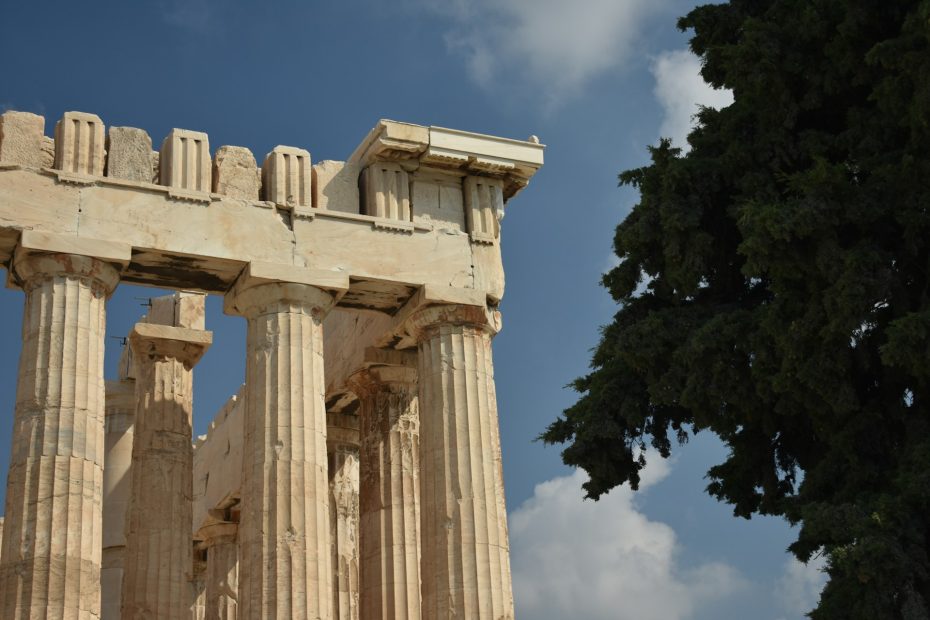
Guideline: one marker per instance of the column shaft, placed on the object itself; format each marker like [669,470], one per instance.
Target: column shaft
[119,424]
[158,556]
[465,553]
[344,515]
[222,578]
[390,493]
[51,548]
[198,590]
[284,531]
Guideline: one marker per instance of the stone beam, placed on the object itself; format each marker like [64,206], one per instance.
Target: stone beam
[177,243]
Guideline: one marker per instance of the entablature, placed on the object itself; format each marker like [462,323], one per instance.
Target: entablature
[413,206]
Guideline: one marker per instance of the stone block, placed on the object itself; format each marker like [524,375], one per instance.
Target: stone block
[126,368]
[22,135]
[39,242]
[286,177]
[79,142]
[191,310]
[335,186]
[392,141]
[386,191]
[235,173]
[181,309]
[484,207]
[129,154]
[436,200]
[185,161]
[48,152]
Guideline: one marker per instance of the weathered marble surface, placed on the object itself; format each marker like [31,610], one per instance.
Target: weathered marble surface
[52,540]
[129,154]
[221,578]
[79,144]
[465,550]
[235,173]
[22,138]
[119,429]
[390,491]
[158,560]
[284,534]
[342,448]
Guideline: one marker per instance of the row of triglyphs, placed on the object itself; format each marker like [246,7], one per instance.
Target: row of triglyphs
[357,473]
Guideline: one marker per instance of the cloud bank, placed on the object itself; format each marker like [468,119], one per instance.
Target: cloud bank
[555,46]
[680,90]
[799,588]
[605,560]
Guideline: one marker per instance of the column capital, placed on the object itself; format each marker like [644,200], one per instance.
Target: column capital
[39,255]
[384,369]
[381,377]
[423,322]
[218,532]
[154,342]
[432,306]
[261,285]
[27,269]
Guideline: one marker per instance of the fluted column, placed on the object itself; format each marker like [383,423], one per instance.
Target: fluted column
[390,475]
[222,575]
[119,424]
[158,558]
[285,569]
[465,564]
[342,447]
[51,548]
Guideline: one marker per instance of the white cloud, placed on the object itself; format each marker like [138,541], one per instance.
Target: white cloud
[680,90]
[557,46]
[574,558]
[799,587]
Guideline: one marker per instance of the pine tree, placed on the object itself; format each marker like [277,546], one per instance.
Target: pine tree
[774,289]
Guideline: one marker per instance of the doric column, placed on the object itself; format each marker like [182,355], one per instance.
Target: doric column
[465,564]
[120,417]
[285,569]
[222,574]
[390,491]
[51,548]
[342,447]
[158,569]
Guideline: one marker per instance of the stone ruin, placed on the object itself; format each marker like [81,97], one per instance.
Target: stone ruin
[356,474]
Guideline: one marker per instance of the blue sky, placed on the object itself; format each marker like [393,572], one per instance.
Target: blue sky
[597,81]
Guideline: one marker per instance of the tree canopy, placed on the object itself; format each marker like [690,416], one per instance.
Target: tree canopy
[774,289]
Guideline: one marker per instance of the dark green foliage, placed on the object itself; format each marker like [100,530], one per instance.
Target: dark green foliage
[787,309]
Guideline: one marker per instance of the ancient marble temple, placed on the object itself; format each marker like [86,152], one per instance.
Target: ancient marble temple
[356,473]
